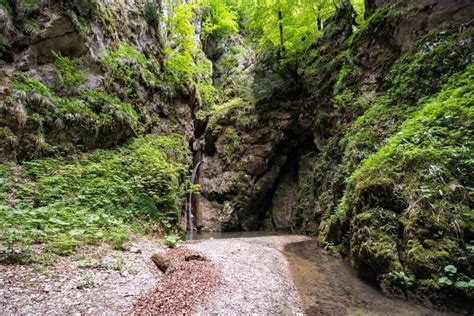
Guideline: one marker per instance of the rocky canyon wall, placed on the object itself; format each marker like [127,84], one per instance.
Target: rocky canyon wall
[316,148]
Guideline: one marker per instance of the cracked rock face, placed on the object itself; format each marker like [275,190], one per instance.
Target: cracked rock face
[252,183]
[61,36]
[29,132]
[237,195]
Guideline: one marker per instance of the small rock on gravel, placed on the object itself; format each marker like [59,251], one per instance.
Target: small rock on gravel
[135,250]
[193,255]
[162,261]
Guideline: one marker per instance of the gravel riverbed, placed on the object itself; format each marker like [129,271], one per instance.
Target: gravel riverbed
[255,275]
[96,281]
[242,276]
[271,275]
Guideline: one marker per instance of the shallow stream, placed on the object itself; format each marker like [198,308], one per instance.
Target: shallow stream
[328,285]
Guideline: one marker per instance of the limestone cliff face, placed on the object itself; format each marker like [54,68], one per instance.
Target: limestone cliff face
[294,156]
[245,147]
[89,97]
[365,142]
[285,126]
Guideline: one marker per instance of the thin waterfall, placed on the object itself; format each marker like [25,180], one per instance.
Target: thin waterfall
[189,201]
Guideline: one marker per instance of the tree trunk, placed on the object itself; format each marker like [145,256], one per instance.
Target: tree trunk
[282,38]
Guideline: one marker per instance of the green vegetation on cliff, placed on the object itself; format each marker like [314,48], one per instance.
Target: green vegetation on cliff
[359,119]
[391,187]
[100,196]
[420,179]
[97,185]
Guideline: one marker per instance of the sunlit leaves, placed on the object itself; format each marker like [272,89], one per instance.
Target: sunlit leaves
[288,26]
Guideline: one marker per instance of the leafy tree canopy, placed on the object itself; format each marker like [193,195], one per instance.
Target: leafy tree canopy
[288,27]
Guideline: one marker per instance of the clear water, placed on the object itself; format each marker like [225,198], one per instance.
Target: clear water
[224,235]
[328,285]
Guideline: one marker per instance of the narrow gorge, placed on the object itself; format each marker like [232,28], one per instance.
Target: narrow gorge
[351,122]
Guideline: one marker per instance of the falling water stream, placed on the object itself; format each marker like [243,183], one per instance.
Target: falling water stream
[189,203]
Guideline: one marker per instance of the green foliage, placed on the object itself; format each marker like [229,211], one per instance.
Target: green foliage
[287,27]
[31,26]
[179,55]
[411,78]
[91,198]
[450,269]
[171,241]
[27,84]
[32,5]
[24,15]
[465,284]
[80,23]
[111,104]
[451,278]
[401,278]
[62,244]
[185,64]
[359,7]
[151,13]
[70,71]
[220,21]
[130,67]
[87,9]
[237,110]
[5,5]
[438,134]
[445,281]
[119,239]
[92,104]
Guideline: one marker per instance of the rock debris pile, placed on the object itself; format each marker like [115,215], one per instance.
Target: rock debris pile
[186,286]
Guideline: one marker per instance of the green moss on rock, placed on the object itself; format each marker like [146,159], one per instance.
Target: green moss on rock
[85,117]
[422,171]
[95,197]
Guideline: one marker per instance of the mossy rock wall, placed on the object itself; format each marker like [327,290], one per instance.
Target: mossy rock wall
[79,76]
[96,118]
[395,88]
[349,99]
